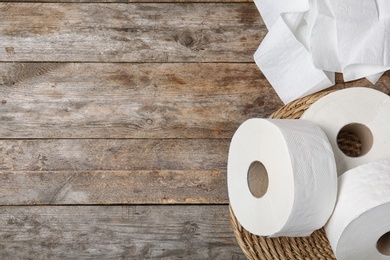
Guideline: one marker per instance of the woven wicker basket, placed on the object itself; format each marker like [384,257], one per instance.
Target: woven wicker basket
[317,245]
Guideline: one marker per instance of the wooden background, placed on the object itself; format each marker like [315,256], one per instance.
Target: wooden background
[115,122]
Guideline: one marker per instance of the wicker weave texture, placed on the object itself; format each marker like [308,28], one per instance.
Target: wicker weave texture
[317,245]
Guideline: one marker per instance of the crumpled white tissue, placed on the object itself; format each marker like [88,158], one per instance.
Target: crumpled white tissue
[309,40]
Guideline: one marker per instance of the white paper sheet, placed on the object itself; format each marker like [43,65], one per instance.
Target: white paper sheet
[288,74]
[384,9]
[310,40]
[271,10]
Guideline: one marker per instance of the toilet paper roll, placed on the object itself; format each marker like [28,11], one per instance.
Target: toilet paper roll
[282,178]
[364,112]
[359,227]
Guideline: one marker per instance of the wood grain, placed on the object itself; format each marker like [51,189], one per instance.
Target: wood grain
[115,100]
[113,187]
[113,154]
[117,232]
[139,32]
[113,171]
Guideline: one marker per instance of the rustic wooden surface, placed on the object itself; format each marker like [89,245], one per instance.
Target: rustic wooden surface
[110,102]
[101,171]
[139,32]
[127,100]
[117,232]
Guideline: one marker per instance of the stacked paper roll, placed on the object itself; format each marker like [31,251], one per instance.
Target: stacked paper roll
[360,224]
[282,177]
[363,112]
[359,228]
[282,174]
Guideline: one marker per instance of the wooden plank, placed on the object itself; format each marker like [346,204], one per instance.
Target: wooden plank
[115,100]
[113,171]
[98,100]
[113,154]
[117,232]
[113,187]
[139,32]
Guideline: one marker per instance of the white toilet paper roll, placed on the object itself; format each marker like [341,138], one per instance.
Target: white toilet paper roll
[359,227]
[364,112]
[282,178]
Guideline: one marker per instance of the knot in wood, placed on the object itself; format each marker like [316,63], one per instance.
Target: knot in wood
[10,50]
[186,39]
[190,228]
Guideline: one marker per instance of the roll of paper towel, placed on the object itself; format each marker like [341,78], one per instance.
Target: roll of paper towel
[359,227]
[364,112]
[282,178]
